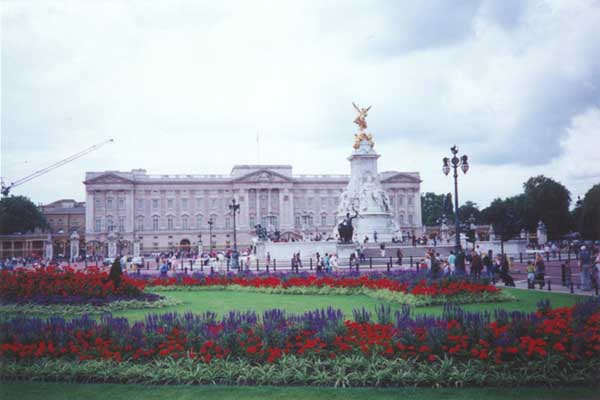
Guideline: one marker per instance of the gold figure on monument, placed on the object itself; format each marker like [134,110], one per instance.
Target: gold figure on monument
[361,121]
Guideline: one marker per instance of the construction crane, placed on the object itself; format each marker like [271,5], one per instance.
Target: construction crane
[6,188]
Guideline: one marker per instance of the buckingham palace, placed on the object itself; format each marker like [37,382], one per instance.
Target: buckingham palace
[163,212]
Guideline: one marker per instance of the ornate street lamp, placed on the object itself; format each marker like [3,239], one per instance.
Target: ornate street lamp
[235,208]
[463,164]
[210,225]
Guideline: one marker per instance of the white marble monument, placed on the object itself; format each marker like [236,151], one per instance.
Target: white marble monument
[365,194]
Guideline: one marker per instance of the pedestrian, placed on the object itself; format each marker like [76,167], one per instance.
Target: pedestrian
[540,270]
[326,264]
[568,272]
[476,265]
[585,266]
[488,264]
[333,261]
[375,236]
[399,256]
[530,275]
[452,262]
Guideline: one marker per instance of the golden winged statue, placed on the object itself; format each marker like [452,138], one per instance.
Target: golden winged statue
[361,121]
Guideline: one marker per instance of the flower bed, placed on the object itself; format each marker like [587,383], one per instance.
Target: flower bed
[403,286]
[54,286]
[561,342]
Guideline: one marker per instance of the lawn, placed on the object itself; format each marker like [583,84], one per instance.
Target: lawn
[224,301]
[50,391]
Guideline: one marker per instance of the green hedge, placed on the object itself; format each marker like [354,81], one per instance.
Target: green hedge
[344,371]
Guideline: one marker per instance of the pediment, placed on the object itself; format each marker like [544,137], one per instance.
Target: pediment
[263,175]
[108,178]
[401,177]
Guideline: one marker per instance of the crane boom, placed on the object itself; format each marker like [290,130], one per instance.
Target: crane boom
[6,189]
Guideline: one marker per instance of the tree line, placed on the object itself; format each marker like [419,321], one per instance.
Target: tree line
[543,199]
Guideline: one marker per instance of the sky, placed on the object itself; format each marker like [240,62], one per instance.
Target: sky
[185,87]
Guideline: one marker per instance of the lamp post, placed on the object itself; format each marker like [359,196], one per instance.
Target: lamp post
[210,225]
[456,163]
[235,208]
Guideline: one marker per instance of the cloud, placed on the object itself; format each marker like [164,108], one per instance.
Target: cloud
[184,86]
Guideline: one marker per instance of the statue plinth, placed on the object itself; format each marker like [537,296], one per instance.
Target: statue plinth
[365,195]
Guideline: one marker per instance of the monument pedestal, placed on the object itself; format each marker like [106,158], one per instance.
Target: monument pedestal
[365,197]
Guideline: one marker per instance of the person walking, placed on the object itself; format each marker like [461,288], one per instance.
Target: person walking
[452,262]
[530,275]
[585,266]
[540,270]
[476,265]
[399,256]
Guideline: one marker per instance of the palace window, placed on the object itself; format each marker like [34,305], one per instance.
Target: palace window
[252,221]
[307,221]
[184,222]
[401,200]
[184,204]
[401,219]
[170,204]
[155,223]
[323,219]
[155,204]
[198,202]
[109,225]
[170,223]
[109,204]
[410,199]
[140,204]
[121,204]
[410,219]
[227,222]
[297,221]
[270,221]
[98,203]
[121,224]
[139,223]
[98,225]
[199,221]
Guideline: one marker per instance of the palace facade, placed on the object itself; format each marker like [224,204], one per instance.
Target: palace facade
[164,212]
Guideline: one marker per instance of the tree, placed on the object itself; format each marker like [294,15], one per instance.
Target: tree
[590,214]
[548,201]
[115,272]
[505,216]
[468,210]
[19,214]
[433,206]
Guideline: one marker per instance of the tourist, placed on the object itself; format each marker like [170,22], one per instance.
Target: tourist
[333,261]
[399,256]
[476,265]
[164,268]
[530,275]
[568,272]
[585,265]
[489,264]
[452,262]
[540,270]
[375,236]
[326,265]
[505,271]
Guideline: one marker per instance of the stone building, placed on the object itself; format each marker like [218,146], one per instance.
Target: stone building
[63,216]
[164,212]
